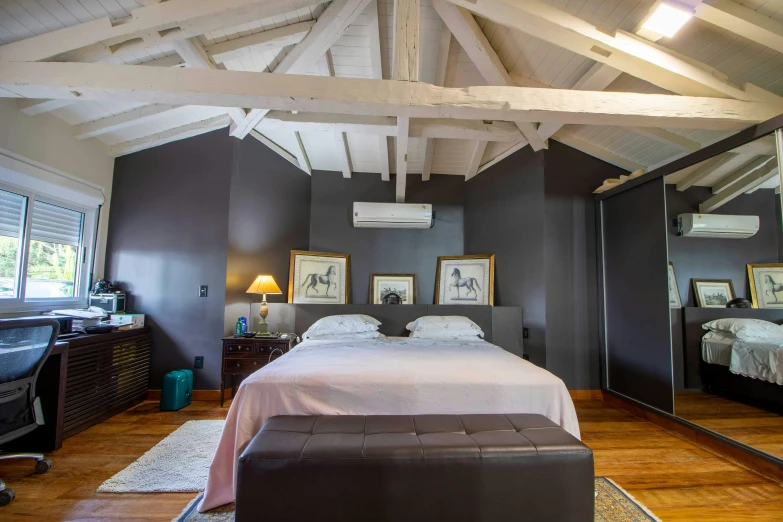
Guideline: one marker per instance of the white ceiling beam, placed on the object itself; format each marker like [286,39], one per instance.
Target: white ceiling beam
[120,121]
[623,51]
[704,169]
[402,158]
[167,136]
[475,159]
[387,126]
[444,43]
[503,155]
[742,21]
[667,138]
[371,12]
[275,148]
[740,174]
[272,39]
[753,180]
[405,62]
[593,150]
[36,107]
[33,107]
[597,78]
[301,155]
[187,86]
[343,154]
[156,24]
[194,55]
[329,27]
[472,39]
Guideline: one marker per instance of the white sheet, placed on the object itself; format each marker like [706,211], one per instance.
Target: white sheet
[757,360]
[392,376]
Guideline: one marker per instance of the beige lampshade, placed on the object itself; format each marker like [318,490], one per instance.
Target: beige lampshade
[264,284]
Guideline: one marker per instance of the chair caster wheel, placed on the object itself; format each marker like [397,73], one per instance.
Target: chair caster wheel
[6,496]
[42,466]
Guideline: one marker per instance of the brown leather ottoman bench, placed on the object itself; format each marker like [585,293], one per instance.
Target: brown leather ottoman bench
[452,468]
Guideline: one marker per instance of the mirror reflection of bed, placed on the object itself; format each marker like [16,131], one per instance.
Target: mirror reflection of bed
[728,384]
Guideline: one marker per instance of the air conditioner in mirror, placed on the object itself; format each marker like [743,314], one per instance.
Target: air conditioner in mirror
[392,215]
[715,225]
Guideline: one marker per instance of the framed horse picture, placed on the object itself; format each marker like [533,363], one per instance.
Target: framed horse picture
[465,280]
[319,277]
[766,285]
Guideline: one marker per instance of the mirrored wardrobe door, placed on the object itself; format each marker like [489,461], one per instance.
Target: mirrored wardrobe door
[725,242]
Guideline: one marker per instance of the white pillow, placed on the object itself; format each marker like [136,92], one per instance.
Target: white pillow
[346,336]
[444,327]
[343,324]
[746,329]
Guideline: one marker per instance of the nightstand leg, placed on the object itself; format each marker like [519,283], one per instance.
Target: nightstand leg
[222,387]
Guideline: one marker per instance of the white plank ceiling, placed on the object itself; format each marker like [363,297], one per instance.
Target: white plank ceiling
[739,59]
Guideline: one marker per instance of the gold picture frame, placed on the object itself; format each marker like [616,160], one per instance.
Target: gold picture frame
[757,276]
[725,287]
[313,280]
[487,287]
[411,283]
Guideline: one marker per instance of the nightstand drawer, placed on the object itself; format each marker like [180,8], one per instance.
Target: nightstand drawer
[267,348]
[244,365]
[238,349]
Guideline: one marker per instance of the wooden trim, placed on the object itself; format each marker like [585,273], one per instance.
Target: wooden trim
[198,395]
[704,439]
[586,395]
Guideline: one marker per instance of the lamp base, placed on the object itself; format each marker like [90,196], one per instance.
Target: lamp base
[263,328]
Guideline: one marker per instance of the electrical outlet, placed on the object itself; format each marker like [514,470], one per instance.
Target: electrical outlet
[198,363]
[525,333]
[202,290]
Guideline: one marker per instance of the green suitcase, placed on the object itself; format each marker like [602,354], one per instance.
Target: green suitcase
[177,390]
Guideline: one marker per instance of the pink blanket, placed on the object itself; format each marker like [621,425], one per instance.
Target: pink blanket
[393,376]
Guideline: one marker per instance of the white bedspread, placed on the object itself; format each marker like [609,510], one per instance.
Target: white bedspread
[393,376]
[758,360]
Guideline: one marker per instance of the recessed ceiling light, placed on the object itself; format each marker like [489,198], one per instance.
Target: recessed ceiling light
[667,18]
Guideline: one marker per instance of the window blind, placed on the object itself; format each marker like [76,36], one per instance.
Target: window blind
[54,224]
[12,209]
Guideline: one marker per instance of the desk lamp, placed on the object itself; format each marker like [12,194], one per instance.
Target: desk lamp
[264,284]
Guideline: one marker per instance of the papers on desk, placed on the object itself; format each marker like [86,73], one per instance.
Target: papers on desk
[82,314]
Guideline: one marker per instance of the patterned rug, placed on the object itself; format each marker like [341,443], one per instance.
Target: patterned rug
[612,504]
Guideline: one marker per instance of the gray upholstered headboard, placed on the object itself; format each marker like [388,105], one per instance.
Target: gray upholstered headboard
[502,325]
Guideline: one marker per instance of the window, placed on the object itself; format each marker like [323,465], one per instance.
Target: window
[45,250]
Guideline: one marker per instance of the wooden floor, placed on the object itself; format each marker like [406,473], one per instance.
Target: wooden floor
[674,478]
[752,426]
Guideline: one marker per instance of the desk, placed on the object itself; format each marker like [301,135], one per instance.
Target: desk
[85,381]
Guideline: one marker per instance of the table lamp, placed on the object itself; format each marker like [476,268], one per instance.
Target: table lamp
[264,284]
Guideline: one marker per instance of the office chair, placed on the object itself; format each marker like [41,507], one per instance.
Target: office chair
[24,346]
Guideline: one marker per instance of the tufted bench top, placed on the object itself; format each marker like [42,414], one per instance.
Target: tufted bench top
[406,436]
[414,468]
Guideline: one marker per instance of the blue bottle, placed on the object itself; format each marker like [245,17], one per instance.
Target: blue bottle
[244,324]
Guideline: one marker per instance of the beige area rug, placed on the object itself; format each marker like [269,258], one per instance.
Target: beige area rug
[178,463]
[612,504]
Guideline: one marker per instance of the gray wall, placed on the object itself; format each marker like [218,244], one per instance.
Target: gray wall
[714,258]
[168,235]
[536,212]
[386,250]
[269,216]
[504,215]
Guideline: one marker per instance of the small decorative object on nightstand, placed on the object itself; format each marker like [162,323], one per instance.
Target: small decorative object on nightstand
[243,356]
[264,284]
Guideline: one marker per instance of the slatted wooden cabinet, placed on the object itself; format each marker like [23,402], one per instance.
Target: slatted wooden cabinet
[107,374]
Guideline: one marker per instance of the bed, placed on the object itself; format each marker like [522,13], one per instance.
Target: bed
[708,359]
[389,376]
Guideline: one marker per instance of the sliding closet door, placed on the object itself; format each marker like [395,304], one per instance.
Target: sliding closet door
[636,302]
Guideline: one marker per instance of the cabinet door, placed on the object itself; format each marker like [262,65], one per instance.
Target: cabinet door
[637,336]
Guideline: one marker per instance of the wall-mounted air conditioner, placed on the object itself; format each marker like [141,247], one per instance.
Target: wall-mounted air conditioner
[392,215]
[715,225]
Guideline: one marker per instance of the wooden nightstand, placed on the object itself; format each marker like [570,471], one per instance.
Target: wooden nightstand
[243,356]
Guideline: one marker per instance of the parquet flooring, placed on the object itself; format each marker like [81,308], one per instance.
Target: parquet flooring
[677,480]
